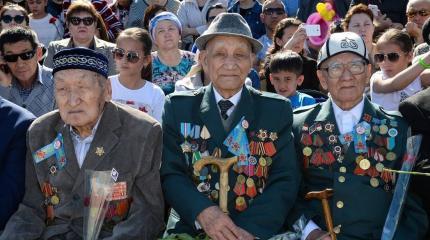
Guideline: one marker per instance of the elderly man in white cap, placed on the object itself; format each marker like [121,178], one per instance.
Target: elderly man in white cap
[344,144]
[227,119]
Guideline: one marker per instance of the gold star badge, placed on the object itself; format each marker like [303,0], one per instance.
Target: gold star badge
[100,151]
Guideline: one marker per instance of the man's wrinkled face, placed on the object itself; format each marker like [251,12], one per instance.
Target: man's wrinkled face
[81,95]
[227,61]
[348,88]
[418,12]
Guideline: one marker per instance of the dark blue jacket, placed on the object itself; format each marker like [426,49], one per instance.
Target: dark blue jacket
[252,18]
[14,122]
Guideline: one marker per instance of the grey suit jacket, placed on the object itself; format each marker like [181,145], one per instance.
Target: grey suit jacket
[100,46]
[41,99]
[132,144]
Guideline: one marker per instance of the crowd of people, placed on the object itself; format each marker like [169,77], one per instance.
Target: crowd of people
[216,119]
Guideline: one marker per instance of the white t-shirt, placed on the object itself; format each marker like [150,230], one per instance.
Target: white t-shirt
[46,31]
[391,101]
[149,98]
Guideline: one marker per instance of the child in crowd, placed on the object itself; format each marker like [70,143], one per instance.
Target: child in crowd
[286,73]
[396,81]
[133,60]
[47,27]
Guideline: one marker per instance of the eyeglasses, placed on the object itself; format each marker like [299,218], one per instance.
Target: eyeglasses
[422,13]
[392,57]
[88,21]
[336,70]
[24,56]
[271,11]
[119,53]
[8,18]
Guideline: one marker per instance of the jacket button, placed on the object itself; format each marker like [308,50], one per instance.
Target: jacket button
[339,204]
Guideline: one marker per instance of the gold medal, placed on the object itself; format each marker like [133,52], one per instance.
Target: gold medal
[358,159]
[55,200]
[391,156]
[307,151]
[374,182]
[262,162]
[364,164]
[383,129]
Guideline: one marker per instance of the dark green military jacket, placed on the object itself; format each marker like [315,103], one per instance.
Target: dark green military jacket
[362,191]
[268,121]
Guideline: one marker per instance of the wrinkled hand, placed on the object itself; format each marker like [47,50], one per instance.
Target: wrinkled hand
[297,41]
[219,226]
[413,29]
[318,234]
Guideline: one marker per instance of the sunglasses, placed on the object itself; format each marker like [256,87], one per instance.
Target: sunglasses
[119,53]
[8,18]
[24,56]
[271,11]
[392,57]
[88,21]
[422,13]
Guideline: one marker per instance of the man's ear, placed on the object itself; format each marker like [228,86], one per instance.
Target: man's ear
[279,42]
[39,53]
[108,89]
[204,60]
[323,79]
[300,79]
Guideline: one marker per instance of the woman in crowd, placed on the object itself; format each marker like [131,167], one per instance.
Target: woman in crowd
[192,14]
[133,60]
[13,15]
[396,81]
[81,19]
[169,63]
[359,19]
[290,35]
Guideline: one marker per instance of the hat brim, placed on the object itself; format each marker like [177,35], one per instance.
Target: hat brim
[203,40]
[365,59]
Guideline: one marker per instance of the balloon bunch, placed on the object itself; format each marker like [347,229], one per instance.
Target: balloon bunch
[326,11]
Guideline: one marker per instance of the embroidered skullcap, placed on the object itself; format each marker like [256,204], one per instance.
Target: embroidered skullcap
[80,58]
[163,16]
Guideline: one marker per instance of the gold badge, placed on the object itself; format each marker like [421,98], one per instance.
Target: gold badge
[100,151]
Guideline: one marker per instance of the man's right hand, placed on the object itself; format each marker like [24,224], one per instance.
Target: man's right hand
[5,78]
[318,234]
[218,225]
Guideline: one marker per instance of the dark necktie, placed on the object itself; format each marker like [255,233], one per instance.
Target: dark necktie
[224,105]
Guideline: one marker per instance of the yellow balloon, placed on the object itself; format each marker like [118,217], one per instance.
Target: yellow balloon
[320,7]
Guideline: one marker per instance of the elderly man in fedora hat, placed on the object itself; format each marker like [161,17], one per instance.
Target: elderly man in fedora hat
[89,132]
[227,119]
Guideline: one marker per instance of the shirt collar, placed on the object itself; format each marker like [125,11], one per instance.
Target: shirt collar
[38,77]
[356,111]
[233,99]
[76,136]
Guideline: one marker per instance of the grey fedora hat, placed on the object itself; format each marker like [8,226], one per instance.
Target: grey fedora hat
[228,24]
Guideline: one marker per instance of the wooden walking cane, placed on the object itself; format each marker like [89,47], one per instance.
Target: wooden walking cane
[324,196]
[224,165]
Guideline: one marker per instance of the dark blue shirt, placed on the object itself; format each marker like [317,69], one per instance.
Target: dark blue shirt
[252,17]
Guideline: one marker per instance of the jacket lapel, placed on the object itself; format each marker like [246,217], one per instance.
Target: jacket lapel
[72,167]
[211,118]
[104,141]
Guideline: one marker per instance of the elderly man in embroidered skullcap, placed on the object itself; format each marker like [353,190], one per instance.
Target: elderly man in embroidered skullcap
[228,120]
[89,132]
[344,145]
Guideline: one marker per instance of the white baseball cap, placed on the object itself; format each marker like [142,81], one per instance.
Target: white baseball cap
[340,43]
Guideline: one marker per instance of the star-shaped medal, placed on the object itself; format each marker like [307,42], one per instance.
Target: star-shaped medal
[100,151]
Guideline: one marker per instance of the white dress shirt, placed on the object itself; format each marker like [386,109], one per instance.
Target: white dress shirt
[233,99]
[346,120]
[82,145]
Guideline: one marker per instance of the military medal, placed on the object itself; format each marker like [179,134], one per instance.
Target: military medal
[364,164]
[240,204]
[204,134]
[374,182]
[100,151]
[251,190]
[56,148]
